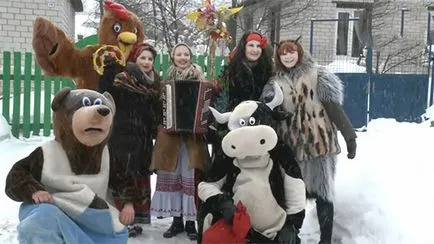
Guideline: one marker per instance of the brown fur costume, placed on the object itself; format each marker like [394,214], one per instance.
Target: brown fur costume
[82,126]
[56,54]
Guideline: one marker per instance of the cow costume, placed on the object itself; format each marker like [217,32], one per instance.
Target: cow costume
[271,189]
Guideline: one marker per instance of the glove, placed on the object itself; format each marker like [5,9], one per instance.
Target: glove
[288,234]
[351,148]
[224,205]
[109,62]
[227,209]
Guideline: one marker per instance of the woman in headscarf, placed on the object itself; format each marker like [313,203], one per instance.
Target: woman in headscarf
[178,159]
[136,92]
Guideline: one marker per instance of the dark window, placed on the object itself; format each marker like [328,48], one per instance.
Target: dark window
[342,40]
[274,24]
[357,46]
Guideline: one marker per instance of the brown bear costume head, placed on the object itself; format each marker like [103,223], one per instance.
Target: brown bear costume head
[82,123]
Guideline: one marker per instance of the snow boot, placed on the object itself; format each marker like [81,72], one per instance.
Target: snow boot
[190,229]
[325,213]
[134,230]
[174,229]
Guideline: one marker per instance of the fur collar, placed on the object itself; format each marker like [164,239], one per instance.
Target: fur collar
[329,88]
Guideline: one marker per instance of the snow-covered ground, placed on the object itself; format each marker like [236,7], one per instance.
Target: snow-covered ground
[345,66]
[384,196]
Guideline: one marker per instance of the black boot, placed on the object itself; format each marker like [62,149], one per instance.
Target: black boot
[134,230]
[190,229]
[176,228]
[325,213]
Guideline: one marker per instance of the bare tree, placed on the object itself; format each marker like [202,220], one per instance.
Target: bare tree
[232,24]
[295,12]
[391,51]
[164,20]
[271,16]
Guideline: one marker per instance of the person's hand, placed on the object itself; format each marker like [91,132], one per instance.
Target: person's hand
[227,209]
[351,148]
[42,197]
[126,215]
[109,62]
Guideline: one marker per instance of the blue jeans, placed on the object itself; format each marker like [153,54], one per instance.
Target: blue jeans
[46,223]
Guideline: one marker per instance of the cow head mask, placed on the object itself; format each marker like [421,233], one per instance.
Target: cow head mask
[249,123]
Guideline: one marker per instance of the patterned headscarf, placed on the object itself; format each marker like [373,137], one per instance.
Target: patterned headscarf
[139,48]
[192,72]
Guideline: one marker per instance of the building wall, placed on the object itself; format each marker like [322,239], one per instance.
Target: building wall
[325,33]
[17,17]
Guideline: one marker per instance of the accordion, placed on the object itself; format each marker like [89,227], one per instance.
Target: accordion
[186,105]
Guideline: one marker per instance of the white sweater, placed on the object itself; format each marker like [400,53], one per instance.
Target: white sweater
[73,193]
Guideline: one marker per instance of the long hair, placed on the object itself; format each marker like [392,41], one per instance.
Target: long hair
[264,60]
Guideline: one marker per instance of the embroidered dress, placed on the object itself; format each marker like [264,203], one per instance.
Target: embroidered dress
[175,190]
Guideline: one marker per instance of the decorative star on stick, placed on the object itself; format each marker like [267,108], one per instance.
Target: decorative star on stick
[212,19]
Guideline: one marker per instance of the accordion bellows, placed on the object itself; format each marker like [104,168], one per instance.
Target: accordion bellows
[186,105]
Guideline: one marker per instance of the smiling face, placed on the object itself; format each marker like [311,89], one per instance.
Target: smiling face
[289,59]
[145,61]
[253,50]
[182,57]
[288,54]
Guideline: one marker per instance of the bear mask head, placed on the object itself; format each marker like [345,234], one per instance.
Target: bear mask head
[82,116]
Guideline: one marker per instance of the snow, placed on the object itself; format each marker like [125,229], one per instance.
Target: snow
[385,195]
[345,66]
[429,113]
[5,129]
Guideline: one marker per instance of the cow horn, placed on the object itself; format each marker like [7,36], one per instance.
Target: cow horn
[219,117]
[278,97]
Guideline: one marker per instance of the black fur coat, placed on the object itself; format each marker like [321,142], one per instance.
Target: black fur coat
[135,122]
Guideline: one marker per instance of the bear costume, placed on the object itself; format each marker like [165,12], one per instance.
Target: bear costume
[63,183]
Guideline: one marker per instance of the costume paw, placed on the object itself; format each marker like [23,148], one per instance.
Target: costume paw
[46,40]
[207,222]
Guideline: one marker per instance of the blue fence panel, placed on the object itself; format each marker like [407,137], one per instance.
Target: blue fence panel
[403,97]
[356,97]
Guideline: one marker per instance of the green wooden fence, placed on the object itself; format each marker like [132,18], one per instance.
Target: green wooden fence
[27,95]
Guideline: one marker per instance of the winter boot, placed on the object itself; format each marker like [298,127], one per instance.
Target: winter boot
[176,228]
[325,213]
[190,229]
[134,230]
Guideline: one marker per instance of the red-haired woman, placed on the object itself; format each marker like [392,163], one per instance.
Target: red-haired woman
[314,97]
